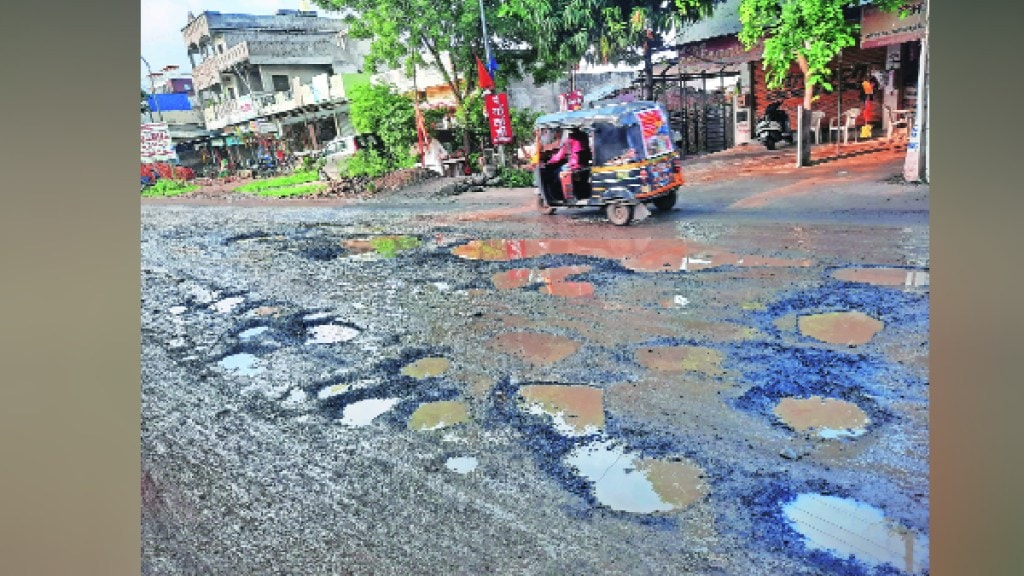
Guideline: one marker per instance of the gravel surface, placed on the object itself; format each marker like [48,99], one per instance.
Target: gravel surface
[267,323]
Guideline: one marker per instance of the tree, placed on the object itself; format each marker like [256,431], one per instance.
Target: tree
[808,32]
[378,109]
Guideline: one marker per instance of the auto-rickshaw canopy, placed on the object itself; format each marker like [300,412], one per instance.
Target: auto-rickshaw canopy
[617,114]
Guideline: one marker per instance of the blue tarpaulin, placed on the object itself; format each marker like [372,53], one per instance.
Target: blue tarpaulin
[168,102]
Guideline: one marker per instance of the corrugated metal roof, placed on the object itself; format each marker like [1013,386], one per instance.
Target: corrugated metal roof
[724,21]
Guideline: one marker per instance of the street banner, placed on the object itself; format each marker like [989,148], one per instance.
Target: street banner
[570,100]
[496,107]
[156,143]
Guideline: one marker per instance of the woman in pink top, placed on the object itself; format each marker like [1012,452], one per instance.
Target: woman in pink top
[572,147]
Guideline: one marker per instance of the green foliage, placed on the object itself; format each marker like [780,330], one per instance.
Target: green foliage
[168,188]
[808,32]
[260,186]
[522,125]
[364,163]
[381,110]
[389,246]
[515,178]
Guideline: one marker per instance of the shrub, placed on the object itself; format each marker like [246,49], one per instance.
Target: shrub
[364,163]
[515,178]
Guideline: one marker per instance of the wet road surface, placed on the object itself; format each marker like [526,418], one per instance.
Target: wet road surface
[465,386]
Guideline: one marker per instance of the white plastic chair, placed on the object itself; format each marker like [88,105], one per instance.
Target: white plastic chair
[816,117]
[848,123]
[896,121]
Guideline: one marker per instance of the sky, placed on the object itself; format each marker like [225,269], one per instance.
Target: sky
[162,21]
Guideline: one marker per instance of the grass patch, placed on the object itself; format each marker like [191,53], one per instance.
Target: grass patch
[388,246]
[297,190]
[168,188]
[261,186]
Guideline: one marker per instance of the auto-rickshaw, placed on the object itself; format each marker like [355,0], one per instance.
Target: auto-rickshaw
[627,161]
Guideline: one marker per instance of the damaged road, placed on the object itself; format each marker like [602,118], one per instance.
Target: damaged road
[461,385]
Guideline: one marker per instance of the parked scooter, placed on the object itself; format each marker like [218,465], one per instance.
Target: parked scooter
[774,126]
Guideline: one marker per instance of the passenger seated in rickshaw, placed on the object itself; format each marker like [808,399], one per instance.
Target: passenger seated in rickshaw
[577,148]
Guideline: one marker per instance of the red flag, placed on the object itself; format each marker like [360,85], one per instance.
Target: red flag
[483,77]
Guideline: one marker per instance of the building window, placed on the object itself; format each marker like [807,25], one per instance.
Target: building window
[220,48]
[280,83]
[231,93]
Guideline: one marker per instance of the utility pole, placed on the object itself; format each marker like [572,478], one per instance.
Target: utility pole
[489,56]
[152,91]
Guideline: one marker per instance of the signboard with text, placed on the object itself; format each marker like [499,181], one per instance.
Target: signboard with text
[496,108]
[156,143]
[571,100]
[879,28]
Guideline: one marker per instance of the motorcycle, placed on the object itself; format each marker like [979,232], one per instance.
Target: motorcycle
[774,126]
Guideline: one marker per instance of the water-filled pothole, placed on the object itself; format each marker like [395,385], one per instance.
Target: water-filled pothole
[331,334]
[828,417]
[244,364]
[641,255]
[681,359]
[252,332]
[576,410]
[427,368]
[845,527]
[842,328]
[534,347]
[461,464]
[437,415]
[884,276]
[622,481]
[227,304]
[363,412]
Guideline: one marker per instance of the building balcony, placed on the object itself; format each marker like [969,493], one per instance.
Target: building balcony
[324,90]
[207,73]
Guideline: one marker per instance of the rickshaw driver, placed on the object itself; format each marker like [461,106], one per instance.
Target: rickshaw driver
[576,146]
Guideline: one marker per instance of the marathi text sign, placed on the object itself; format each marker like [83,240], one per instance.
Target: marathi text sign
[571,100]
[156,143]
[496,107]
[879,28]
[718,51]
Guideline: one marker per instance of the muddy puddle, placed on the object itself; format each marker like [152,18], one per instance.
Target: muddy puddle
[520,277]
[339,389]
[427,368]
[884,276]
[331,334]
[268,311]
[243,364]
[827,417]
[841,328]
[437,415]
[844,527]
[575,410]
[681,359]
[534,347]
[641,255]
[363,412]
[461,464]
[622,481]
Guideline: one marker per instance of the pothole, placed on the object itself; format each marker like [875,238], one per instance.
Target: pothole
[363,412]
[331,334]
[534,347]
[845,527]
[427,368]
[629,484]
[461,464]
[437,415]
[575,410]
[243,364]
[681,359]
[841,328]
[884,276]
[828,417]
[252,332]
[226,305]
